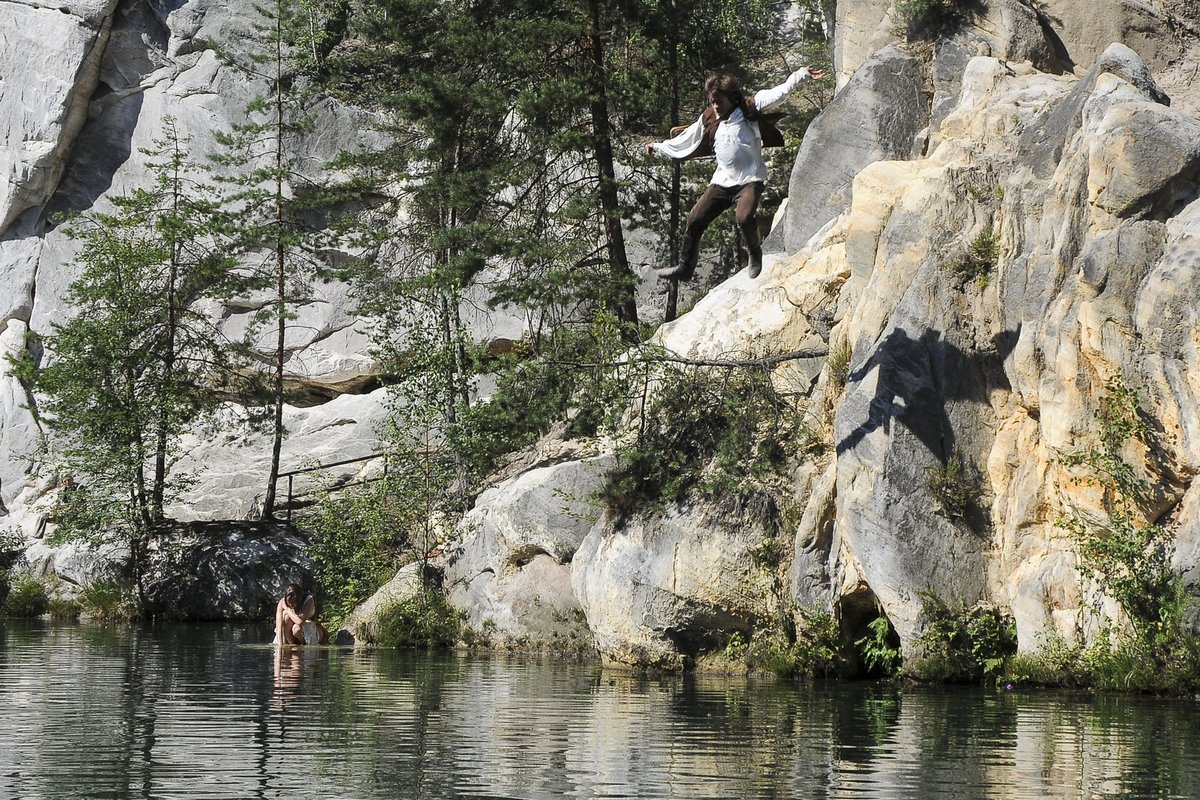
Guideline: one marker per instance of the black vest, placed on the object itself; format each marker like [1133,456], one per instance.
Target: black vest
[771,136]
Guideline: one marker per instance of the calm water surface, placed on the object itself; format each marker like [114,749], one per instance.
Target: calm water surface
[208,711]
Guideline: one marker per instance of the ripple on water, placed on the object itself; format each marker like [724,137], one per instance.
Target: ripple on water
[208,711]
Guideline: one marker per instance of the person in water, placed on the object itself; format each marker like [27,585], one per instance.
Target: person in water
[296,618]
[734,128]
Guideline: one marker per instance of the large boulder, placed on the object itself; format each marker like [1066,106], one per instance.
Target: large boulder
[510,567]
[659,591]
[222,570]
[876,116]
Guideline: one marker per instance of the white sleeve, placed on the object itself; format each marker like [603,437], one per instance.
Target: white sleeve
[765,98]
[683,144]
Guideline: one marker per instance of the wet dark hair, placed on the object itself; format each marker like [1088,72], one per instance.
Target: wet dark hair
[293,592]
[726,85]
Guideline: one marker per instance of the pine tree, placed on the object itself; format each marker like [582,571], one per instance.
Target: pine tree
[279,249]
[139,364]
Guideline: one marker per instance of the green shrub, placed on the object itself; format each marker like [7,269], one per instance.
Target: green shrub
[931,17]
[954,486]
[1114,662]
[961,644]
[979,261]
[425,619]
[719,432]
[64,608]
[26,598]
[103,601]
[355,543]
[880,648]
[1056,663]
[807,650]
[838,363]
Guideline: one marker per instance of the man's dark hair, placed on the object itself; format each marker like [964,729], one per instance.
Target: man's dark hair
[728,86]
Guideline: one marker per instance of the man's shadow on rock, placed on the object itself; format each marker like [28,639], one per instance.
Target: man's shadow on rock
[918,378]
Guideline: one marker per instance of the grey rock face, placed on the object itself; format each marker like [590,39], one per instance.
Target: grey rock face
[1043,141]
[876,116]
[214,571]
[660,591]
[510,568]
[86,88]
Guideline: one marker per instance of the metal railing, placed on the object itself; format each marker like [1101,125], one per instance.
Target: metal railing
[291,475]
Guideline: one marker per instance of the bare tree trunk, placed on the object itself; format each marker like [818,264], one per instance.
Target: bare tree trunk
[268,510]
[623,281]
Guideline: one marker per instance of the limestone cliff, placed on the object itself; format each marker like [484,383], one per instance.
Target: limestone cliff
[1045,124]
[1083,170]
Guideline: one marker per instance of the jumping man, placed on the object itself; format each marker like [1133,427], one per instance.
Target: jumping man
[734,128]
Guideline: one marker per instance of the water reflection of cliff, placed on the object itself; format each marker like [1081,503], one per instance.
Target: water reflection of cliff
[200,712]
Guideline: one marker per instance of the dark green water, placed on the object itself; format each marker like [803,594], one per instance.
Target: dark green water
[206,712]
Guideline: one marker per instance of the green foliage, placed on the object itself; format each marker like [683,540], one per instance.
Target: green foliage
[932,17]
[1056,663]
[960,644]
[718,431]
[880,648]
[806,651]
[979,261]
[954,486]
[1123,552]
[422,620]
[838,364]
[769,553]
[64,608]
[1113,662]
[104,602]
[26,598]
[812,439]
[356,541]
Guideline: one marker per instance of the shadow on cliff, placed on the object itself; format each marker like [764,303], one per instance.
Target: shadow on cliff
[918,378]
[101,148]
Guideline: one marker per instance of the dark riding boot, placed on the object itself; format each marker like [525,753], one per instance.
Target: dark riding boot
[755,264]
[689,252]
[754,245]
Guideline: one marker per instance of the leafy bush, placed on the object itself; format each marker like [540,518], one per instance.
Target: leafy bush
[838,363]
[1114,662]
[64,608]
[931,17]
[880,649]
[26,598]
[1056,663]
[961,644]
[713,431]
[355,544]
[979,261]
[954,486]
[807,651]
[422,620]
[103,601]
